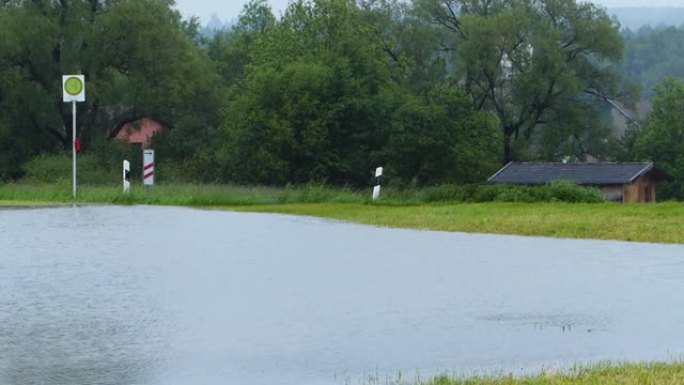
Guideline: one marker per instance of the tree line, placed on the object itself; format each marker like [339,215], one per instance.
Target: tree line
[436,91]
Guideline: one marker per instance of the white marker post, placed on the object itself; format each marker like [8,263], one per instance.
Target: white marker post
[126,176]
[378,182]
[73,90]
[148,167]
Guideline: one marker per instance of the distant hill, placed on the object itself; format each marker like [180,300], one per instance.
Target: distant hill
[636,17]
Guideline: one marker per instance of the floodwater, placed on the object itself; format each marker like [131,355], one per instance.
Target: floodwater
[172,296]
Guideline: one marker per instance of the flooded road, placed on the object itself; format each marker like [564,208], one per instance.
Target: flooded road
[172,296]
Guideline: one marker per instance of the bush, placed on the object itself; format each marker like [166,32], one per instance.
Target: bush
[317,193]
[554,192]
[56,169]
[565,191]
[444,193]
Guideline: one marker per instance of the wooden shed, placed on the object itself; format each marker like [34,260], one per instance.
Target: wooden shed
[618,182]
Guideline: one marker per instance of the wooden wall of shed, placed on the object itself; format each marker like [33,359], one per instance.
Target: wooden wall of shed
[641,191]
[612,193]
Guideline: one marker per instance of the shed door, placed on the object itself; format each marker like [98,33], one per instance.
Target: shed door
[648,194]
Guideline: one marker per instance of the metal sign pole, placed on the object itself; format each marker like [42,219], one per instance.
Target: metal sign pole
[73,90]
[73,143]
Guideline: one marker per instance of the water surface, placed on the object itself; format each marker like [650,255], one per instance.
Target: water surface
[171,296]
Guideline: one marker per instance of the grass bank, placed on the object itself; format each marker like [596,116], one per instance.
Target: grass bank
[638,374]
[643,223]
[176,195]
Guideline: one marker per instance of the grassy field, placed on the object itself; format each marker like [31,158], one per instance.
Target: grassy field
[643,223]
[643,374]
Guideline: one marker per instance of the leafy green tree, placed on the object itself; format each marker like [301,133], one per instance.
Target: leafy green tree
[421,63]
[27,41]
[138,57]
[662,138]
[339,87]
[231,49]
[441,139]
[310,107]
[534,63]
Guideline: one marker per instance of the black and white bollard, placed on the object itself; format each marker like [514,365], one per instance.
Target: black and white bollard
[126,176]
[378,182]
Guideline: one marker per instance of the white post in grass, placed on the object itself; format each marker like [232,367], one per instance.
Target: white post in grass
[126,176]
[73,146]
[378,182]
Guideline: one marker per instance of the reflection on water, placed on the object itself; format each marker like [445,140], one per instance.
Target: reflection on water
[165,296]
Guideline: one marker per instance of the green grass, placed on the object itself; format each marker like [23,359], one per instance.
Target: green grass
[644,223]
[631,374]
[176,195]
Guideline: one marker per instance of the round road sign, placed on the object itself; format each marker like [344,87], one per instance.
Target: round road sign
[73,86]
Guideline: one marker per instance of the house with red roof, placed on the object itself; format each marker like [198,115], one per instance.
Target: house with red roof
[137,131]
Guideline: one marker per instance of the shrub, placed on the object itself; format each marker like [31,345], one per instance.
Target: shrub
[58,169]
[443,193]
[555,192]
[570,192]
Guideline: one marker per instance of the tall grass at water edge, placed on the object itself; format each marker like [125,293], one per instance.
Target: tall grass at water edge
[596,374]
[629,374]
[227,195]
[176,194]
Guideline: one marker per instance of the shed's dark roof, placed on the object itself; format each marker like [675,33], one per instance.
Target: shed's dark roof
[580,173]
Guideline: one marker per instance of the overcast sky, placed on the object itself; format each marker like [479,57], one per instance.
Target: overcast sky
[229,9]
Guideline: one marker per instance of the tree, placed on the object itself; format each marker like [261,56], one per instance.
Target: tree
[232,49]
[336,89]
[420,62]
[138,58]
[662,138]
[438,138]
[310,107]
[652,55]
[532,62]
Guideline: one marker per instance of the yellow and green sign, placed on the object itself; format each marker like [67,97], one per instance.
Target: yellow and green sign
[73,88]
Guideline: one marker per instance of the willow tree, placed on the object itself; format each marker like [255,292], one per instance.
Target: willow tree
[534,63]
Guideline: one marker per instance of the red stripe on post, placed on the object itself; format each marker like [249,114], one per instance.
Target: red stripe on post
[148,175]
[149,166]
